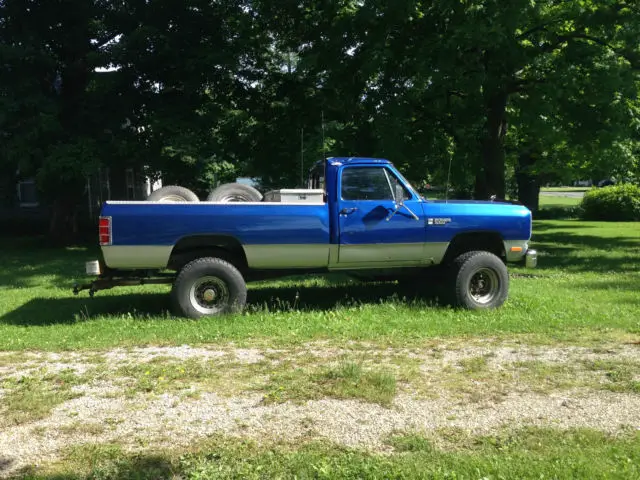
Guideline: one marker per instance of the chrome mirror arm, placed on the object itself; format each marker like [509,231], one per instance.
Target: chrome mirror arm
[411,212]
[397,209]
[390,216]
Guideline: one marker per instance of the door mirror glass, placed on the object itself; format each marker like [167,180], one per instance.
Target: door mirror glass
[400,193]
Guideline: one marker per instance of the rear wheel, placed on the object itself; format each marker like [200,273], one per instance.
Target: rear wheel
[479,281]
[208,286]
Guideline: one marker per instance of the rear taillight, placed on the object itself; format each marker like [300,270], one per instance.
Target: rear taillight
[104,230]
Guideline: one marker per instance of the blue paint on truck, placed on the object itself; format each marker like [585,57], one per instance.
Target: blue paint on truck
[145,223]
[148,223]
[371,218]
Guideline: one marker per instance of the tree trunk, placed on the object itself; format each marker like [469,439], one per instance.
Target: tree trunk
[528,182]
[490,173]
[75,76]
[63,225]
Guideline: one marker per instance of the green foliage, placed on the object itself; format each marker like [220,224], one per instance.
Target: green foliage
[558,213]
[517,93]
[613,203]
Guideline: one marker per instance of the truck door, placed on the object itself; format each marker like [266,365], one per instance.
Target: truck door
[380,220]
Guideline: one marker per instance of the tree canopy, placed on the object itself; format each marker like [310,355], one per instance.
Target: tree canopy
[510,94]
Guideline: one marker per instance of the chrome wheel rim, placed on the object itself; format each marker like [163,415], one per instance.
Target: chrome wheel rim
[233,198]
[209,295]
[484,286]
[173,199]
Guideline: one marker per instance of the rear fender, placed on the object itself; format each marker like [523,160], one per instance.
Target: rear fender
[196,246]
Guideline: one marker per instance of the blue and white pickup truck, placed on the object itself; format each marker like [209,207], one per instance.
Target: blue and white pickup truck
[367,220]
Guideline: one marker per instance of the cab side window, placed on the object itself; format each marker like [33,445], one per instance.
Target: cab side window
[371,183]
[365,183]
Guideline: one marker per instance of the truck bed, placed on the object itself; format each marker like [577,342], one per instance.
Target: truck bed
[286,235]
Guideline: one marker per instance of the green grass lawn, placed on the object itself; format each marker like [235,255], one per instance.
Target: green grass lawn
[547,201]
[531,453]
[564,189]
[586,287]
[585,292]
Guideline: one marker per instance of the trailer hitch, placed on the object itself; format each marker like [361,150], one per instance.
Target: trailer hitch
[110,282]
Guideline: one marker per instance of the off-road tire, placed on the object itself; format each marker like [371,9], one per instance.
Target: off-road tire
[173,193]
[479,280]
[234,192]
[190,288]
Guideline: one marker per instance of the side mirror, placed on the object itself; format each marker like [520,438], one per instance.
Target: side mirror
[399,194]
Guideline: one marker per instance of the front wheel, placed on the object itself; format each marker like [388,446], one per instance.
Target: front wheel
[480,281]
[208,286]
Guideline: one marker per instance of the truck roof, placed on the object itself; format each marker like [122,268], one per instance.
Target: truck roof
[356,160]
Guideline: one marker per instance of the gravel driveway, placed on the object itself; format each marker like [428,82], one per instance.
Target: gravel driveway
[479,388]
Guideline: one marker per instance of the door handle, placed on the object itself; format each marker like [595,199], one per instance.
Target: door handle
[348,211]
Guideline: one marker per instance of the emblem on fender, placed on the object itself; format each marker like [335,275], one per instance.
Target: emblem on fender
[438,221]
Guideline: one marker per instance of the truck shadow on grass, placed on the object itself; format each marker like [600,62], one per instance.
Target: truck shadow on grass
[154,306]
[323,298]
[50,311]
[140,466]
[584,253]
[27,263]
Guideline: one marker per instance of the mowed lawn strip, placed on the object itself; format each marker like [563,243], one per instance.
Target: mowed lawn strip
[548,201]
[529,453]
[585,289]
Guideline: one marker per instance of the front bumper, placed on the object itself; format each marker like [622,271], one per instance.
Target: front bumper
[531,259]
[518,251]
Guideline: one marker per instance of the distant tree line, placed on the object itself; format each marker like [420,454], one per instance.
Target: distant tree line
[508,95]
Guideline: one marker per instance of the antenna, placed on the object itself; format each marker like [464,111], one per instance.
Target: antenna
[446,190]
[324,146]
[302,157]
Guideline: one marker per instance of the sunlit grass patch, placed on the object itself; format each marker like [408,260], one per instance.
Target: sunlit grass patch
[619,376]
[32,397]
[189,377]
[344,381]
[527,453]
[585,287]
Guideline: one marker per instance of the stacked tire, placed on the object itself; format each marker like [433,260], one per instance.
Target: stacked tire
[234,192]
[173,194]
[227,193]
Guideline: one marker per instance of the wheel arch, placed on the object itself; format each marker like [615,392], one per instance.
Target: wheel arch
[489,241]
[191,247]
